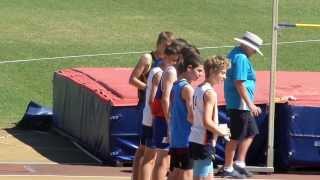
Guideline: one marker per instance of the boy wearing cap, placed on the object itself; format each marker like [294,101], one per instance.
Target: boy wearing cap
[239,90]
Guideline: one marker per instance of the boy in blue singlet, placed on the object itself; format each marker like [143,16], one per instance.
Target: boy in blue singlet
[181,117]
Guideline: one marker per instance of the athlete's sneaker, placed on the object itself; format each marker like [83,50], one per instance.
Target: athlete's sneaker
[233,174]
[243,171]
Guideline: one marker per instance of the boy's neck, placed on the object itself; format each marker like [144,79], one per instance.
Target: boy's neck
[209,82]
[164,65]
[184,76]
[158,54]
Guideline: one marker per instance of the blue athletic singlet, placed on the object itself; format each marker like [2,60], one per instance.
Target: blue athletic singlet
[179,125]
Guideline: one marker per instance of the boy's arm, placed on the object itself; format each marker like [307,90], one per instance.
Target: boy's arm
[144,62]
[154,87]
[167,82]
[210,99]
[187,96]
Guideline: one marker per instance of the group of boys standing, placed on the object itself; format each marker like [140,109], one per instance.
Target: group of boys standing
[180,124]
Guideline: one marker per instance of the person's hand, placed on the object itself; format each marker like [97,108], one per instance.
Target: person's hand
[224,130]
[291,98]
[227,134]
[285,99]
[255,110]
[190,117]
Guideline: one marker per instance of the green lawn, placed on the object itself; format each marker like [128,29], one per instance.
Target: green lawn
[50,28]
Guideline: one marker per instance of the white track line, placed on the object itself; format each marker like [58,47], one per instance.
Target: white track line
[40,163]
[135,52]
[29,168]
[29,162]
[68,57]
[67,176]
[80,177]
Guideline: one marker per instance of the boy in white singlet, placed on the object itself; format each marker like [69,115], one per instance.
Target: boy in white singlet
[138,78]
[205,124]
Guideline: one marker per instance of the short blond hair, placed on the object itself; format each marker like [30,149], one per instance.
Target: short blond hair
[216,64]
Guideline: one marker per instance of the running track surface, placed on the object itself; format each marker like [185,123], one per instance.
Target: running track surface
[66,172]
[46,155]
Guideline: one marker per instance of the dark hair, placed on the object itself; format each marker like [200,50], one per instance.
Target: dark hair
[192,59]
[173,49]
[164,36]
[185,44]
[216,64]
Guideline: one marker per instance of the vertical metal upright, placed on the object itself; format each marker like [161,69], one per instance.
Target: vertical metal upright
[273,73]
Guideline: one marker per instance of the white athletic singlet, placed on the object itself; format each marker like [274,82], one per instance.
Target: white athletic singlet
[147,116]
[198,131]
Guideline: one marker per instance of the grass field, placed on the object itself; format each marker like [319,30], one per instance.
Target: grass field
[53,28]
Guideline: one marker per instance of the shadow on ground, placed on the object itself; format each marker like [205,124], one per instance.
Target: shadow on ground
[47,146]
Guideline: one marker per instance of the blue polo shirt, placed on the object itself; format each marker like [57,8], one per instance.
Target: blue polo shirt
[241,69]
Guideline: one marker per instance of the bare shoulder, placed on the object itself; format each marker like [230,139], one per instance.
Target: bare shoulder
[144,64]
[157,74]
[188,89]
[210,95]
[171,70]
[170,74]
[146,59]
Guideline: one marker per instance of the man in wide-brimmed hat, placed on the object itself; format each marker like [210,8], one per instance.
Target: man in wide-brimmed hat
[239,90]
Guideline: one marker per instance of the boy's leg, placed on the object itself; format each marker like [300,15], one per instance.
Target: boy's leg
[148,163]
[160,139]
[162,165]
[145,139]
[136,167]
[174,172]
[186,174]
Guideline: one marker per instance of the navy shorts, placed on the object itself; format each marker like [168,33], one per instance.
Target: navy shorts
[242,124]
[160,138]
[146,134]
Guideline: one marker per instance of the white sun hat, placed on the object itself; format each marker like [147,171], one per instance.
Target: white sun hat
[251,40]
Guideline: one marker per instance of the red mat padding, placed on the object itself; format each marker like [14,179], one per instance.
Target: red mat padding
[111,84]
